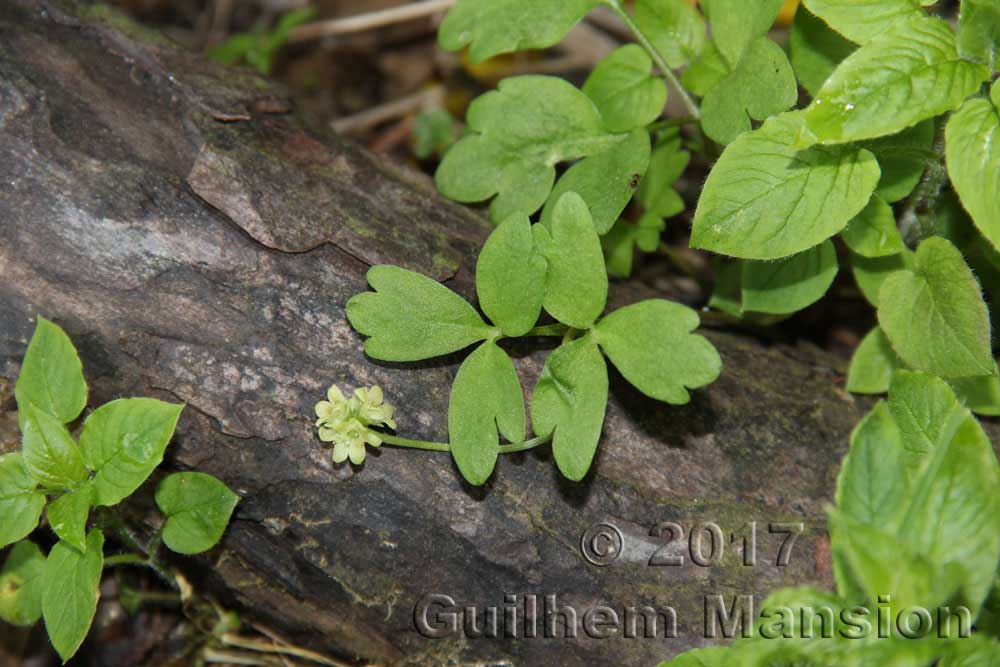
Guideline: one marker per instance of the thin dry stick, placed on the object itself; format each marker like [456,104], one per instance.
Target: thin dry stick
[369,21]
[230,639]
[388,111]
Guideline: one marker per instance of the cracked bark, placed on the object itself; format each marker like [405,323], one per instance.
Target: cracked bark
[198,248]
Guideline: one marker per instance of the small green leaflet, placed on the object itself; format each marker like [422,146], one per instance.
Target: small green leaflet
[486,395]
[737,23]
[674,27]
[412,317]
[123,442]
[620,243]
[491,27]
[903,157]
[569,403]
[979,31]
[767,199]
[20,503]
[870,273]
[788,285]
[651,343]
[815,50]
[68,514]
[861,20]
[873,232]
[973,157]
[656,192]
[927,413]
[510,277]
[197,507]
[625,91]
[864,99]
[705,72]
[516,135]
[50,454]
[872,365]
[872,485]
[935,316]
[71,589]
[21,584]
[433,131]
[51,375]
[576,283]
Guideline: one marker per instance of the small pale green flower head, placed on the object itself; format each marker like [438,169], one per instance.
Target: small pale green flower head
[346,422]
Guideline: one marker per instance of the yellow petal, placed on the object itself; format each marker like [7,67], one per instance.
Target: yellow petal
[324,409]
[357,452]
[340,452]
[327,434]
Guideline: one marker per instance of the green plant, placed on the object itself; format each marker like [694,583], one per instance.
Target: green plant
[79,483]
[258,47]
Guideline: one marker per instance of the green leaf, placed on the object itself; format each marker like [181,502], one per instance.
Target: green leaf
[766,199]
[979,31]
[728,293]
[606,181]
[412,317]
[52,376]
[870,273]
[675,29]
[486,395]
[516,135]
[68,514]
[815,50]
[502,26]
[981,394]
[21,584]
[283,28]
[872,365]
[935,316]
[71,589]
[651,344]
[715,656]
[123,442]
[788,285]
[737,23]
[50,454]
[903,158]
[656,192]
[510,277]
[619,248]
[569,403]
[974,163]
[927,413]
[197,507]
[233,49]
[862,20]
[705,72]
[864,99]
[762,85]
[576,283]
[625,91]
[433,131]
[873,232]
[975,651]
[20,504]
[872,485]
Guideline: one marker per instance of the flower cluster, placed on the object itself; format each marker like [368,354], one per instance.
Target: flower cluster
[346,422]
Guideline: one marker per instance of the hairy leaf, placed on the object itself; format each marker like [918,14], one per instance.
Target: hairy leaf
[973,156]
[50,454]
[51,375]
[872,365]
[872,485]
[674,27]
[510,277]
[72,581]
[21,584]
[788,285]
[20,503]
[873,232]
[625,91]
[197,507]
[870,273]
[981,394]
[927,413]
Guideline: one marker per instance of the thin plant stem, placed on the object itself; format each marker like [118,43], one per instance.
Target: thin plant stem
[125,559]
[390,439]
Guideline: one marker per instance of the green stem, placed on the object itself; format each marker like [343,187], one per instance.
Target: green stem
[445,447]
[668,73]
[526,445]
[125,559]
[671,122]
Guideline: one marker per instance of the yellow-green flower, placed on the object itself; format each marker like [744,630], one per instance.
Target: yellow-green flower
[346,422]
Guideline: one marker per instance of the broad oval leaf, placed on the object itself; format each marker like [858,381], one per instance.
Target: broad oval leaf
[20,503]
[123,442]
[935,316]
[50,454]
[788,285]
[51,375]
[675,29]
[71,589]
[864,98]
[927,412]
[412,317]
[510,277]
[67,516]
[979,31]
[815,50]
[873,232]
[197,507]
[872,485]
[973,156]
[651,343]
[862,20]
[569,403]
[767,199]
[625,91]
[872,365]
[21,584]
[486,395]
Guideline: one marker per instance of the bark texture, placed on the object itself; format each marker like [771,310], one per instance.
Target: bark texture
[198,242]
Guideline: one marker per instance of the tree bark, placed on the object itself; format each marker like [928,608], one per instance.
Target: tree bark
[199,242]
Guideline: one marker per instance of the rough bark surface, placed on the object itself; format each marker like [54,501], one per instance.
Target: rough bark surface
[200,247]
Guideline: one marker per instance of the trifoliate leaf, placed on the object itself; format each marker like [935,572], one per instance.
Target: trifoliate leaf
[737,23]
[68,514]
[872,365]
[815,49]
[50,454]
[501,26]
[20,503]
[767,199]
[674,27]
[486,395]
[871,486]
[72,581]
[197,507]
[927,413]
[903,158]
[123,442]
[861,20]
[656,192]
[790,284]
[625,91]
[974,163]
[705,72]
[864,99]
[576,283]
[516,135]
[979,31]
[651,343]
[981,394]
[935,316]
[762,85]
[606,181]
[870,273]
[569,403]
[51,375]
[510,277]
[873,232]
[412,317]
[21,584]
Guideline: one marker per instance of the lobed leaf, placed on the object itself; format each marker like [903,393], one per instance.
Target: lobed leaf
[788,285]
[973,158]
[675,29]
[197,507]
[656,192]
[510,277]
[71,589]
[51,375]
[20,502]
[21,584]
[737,23]
[625,91]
